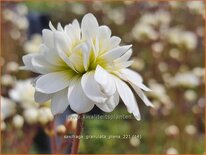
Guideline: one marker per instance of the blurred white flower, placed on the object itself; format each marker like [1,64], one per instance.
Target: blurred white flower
[142,32]
[8,108]
[78,8]
[22,9]
[189,40]
[31,115]
[171,150]
[172,130]
[117,15]
[44,115]
[199,71]
[84,66]
[18,121]
[134,141]
[190,95]
[196,7]
[190,129]
[158,47]
[12,66]
[185,79]
[23,93]
[160,93]
[3,126]
[7,80]
[182,38]
[32,45]
[138,64]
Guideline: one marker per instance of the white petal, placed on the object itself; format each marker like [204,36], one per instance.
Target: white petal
[110,104]
[142,95]
[86,55]
[42,66]
[104,32]
[127,97]
[134,78]
[41,97]
[92,89]
[73,30]
[53,82]
[115,53]
[124,57]
[76,29]
[62,47]
[51,26]
[51,56]
[27,62]
[105,81]
[122,65]
[48,38]
[59,27]
[59,102]
[114,41]
[78,101]
[89,26]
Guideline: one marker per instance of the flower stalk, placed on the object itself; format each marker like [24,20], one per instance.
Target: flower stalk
[76,140]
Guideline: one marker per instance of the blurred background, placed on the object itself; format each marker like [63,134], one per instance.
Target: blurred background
[168,51]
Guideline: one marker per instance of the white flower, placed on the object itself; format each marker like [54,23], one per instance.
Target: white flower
[190,129]
[8,108]
[31,115]
[171,150]
[18,121]
[143,31]
[44,115]
[83,66]
[186,79]
[172,130]
[23,93]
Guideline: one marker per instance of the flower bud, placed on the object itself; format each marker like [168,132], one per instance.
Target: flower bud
[44,115]
[31,115]
[3,125]
[71,122]
[61,130]
[18,121]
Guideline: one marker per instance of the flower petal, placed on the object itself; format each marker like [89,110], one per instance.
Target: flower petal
[134,78]
[78,101]
[51,26]
[124,57]
[41,97]
[42,66]
[59,102]
[86,55]
[89,26]
[63,48]
[91,88]
[105,80]
[27,62]
[128,97]
[51,56]
[53,82]
[115,53]
[48,38]
[142,95]
[110,104]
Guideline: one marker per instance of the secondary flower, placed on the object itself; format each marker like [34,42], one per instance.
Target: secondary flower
[82,66]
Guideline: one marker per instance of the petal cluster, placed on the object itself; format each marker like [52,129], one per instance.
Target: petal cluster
[82,65]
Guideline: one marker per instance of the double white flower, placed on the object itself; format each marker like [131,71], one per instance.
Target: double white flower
[83,66]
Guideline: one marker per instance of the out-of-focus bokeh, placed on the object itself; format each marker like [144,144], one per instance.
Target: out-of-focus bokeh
[168,51]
